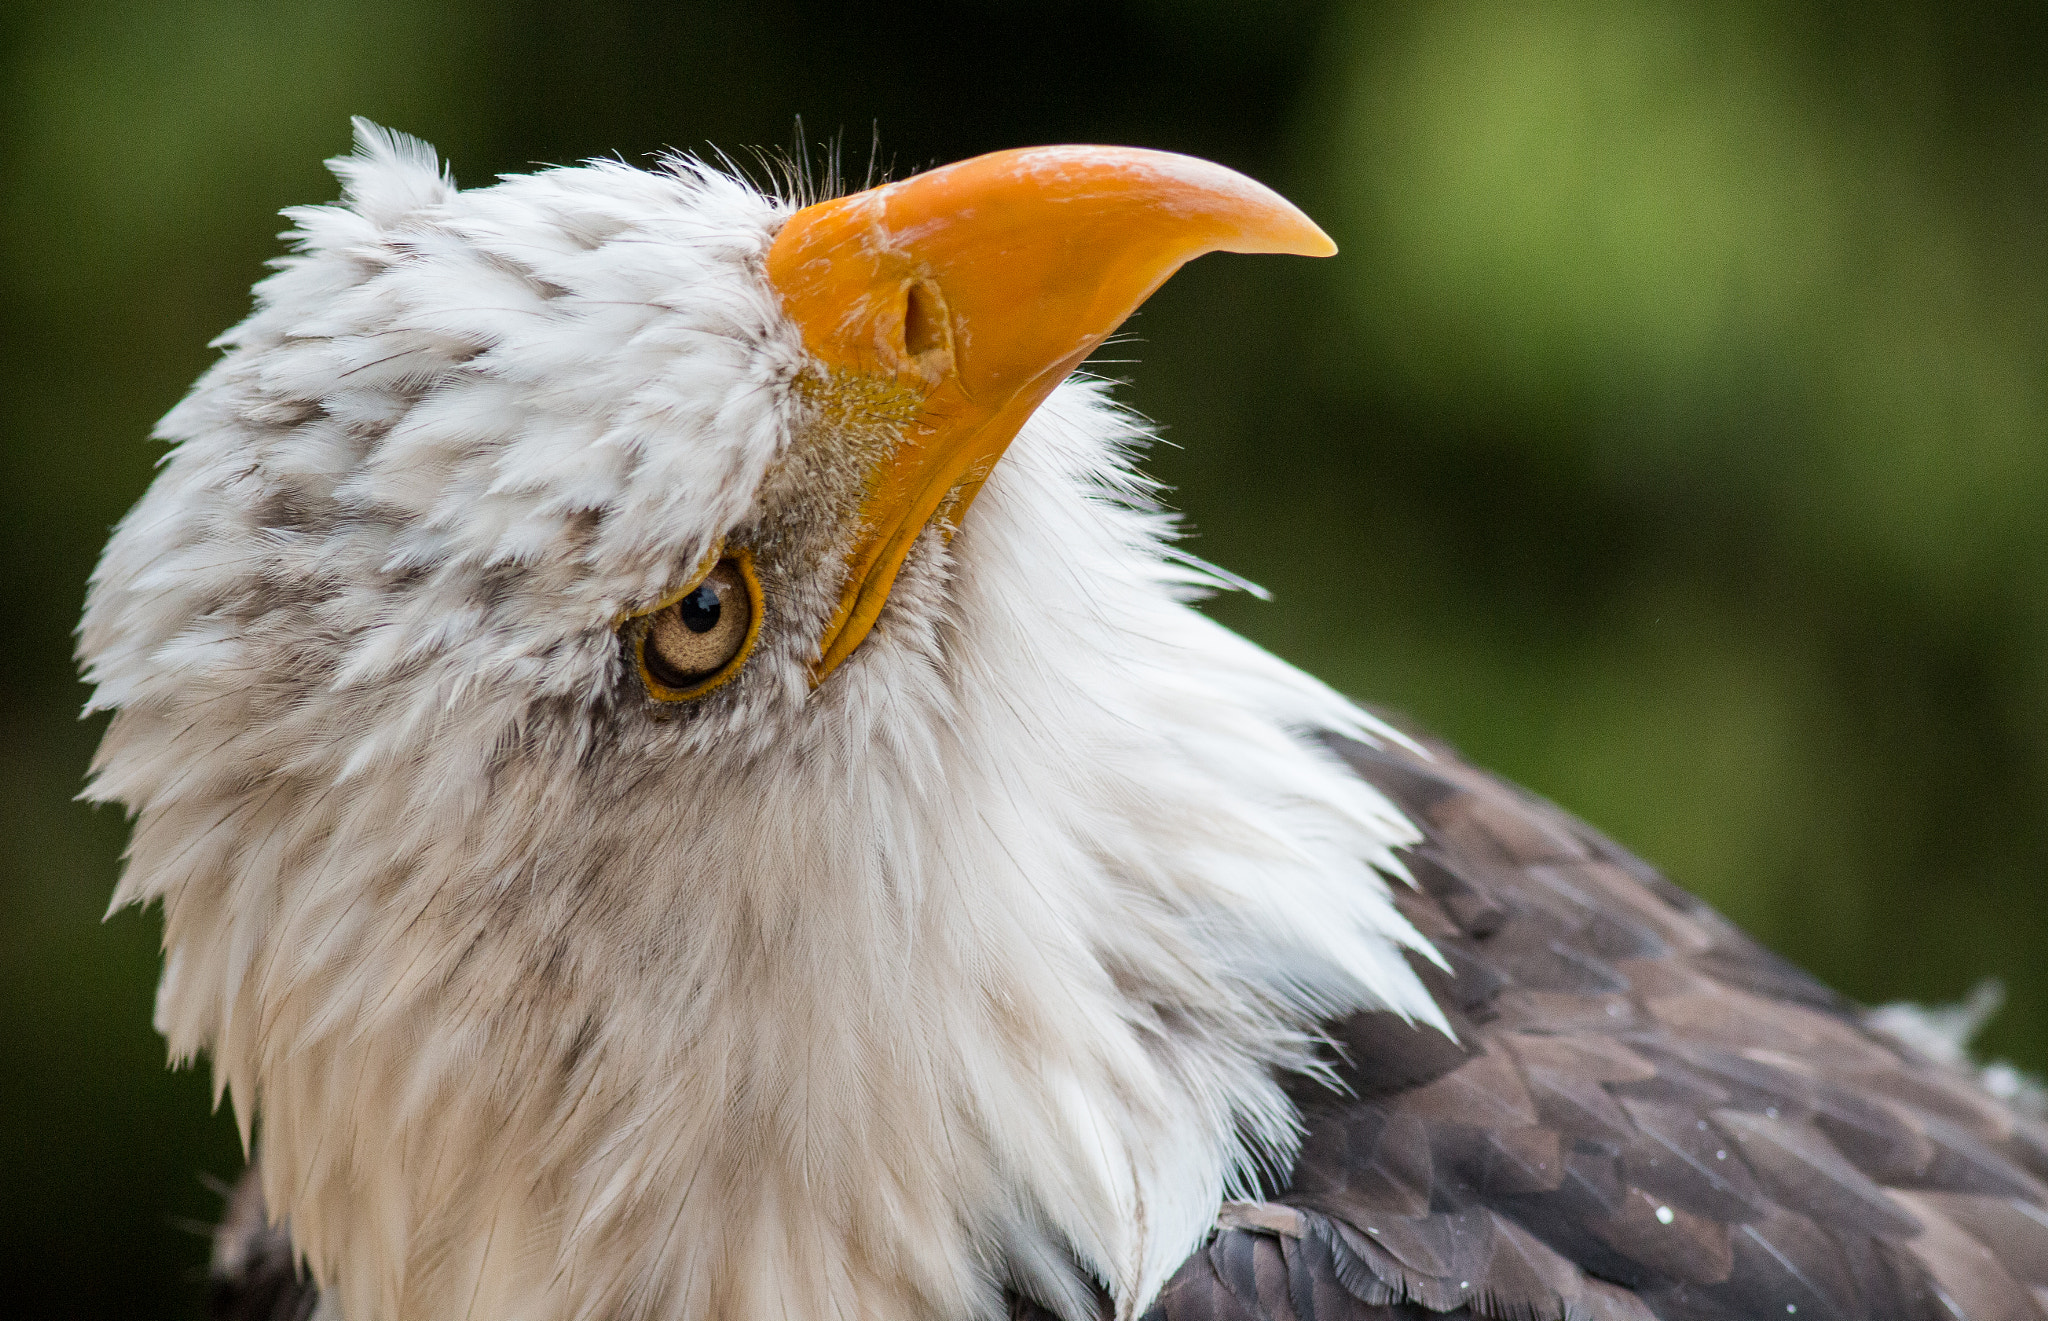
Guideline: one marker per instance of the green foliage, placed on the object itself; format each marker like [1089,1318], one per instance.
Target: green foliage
[1672,432]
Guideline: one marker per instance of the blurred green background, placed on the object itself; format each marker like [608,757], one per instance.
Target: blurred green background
[1672,432]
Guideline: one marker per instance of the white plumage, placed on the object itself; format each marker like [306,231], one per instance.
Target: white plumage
[968,967]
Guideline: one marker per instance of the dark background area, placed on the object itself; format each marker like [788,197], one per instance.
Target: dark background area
[1672,432]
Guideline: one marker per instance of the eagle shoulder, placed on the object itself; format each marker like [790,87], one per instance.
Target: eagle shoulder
[1645,1114]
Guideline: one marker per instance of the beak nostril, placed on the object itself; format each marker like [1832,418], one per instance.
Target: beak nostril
[923,321]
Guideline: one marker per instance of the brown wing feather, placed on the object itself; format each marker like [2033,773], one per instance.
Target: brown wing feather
[255,1274]
[1645,1115]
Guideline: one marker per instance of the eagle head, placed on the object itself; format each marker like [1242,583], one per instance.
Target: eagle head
[653,819]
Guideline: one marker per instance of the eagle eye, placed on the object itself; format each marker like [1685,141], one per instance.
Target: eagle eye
[698,639]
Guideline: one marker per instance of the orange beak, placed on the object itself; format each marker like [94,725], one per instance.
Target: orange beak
[974,290]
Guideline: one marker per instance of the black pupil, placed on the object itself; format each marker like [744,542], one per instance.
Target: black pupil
[699,610]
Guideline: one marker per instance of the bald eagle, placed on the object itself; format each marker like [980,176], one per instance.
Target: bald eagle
[683,781]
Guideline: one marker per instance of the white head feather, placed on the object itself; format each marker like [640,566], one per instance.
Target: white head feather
[973,966]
